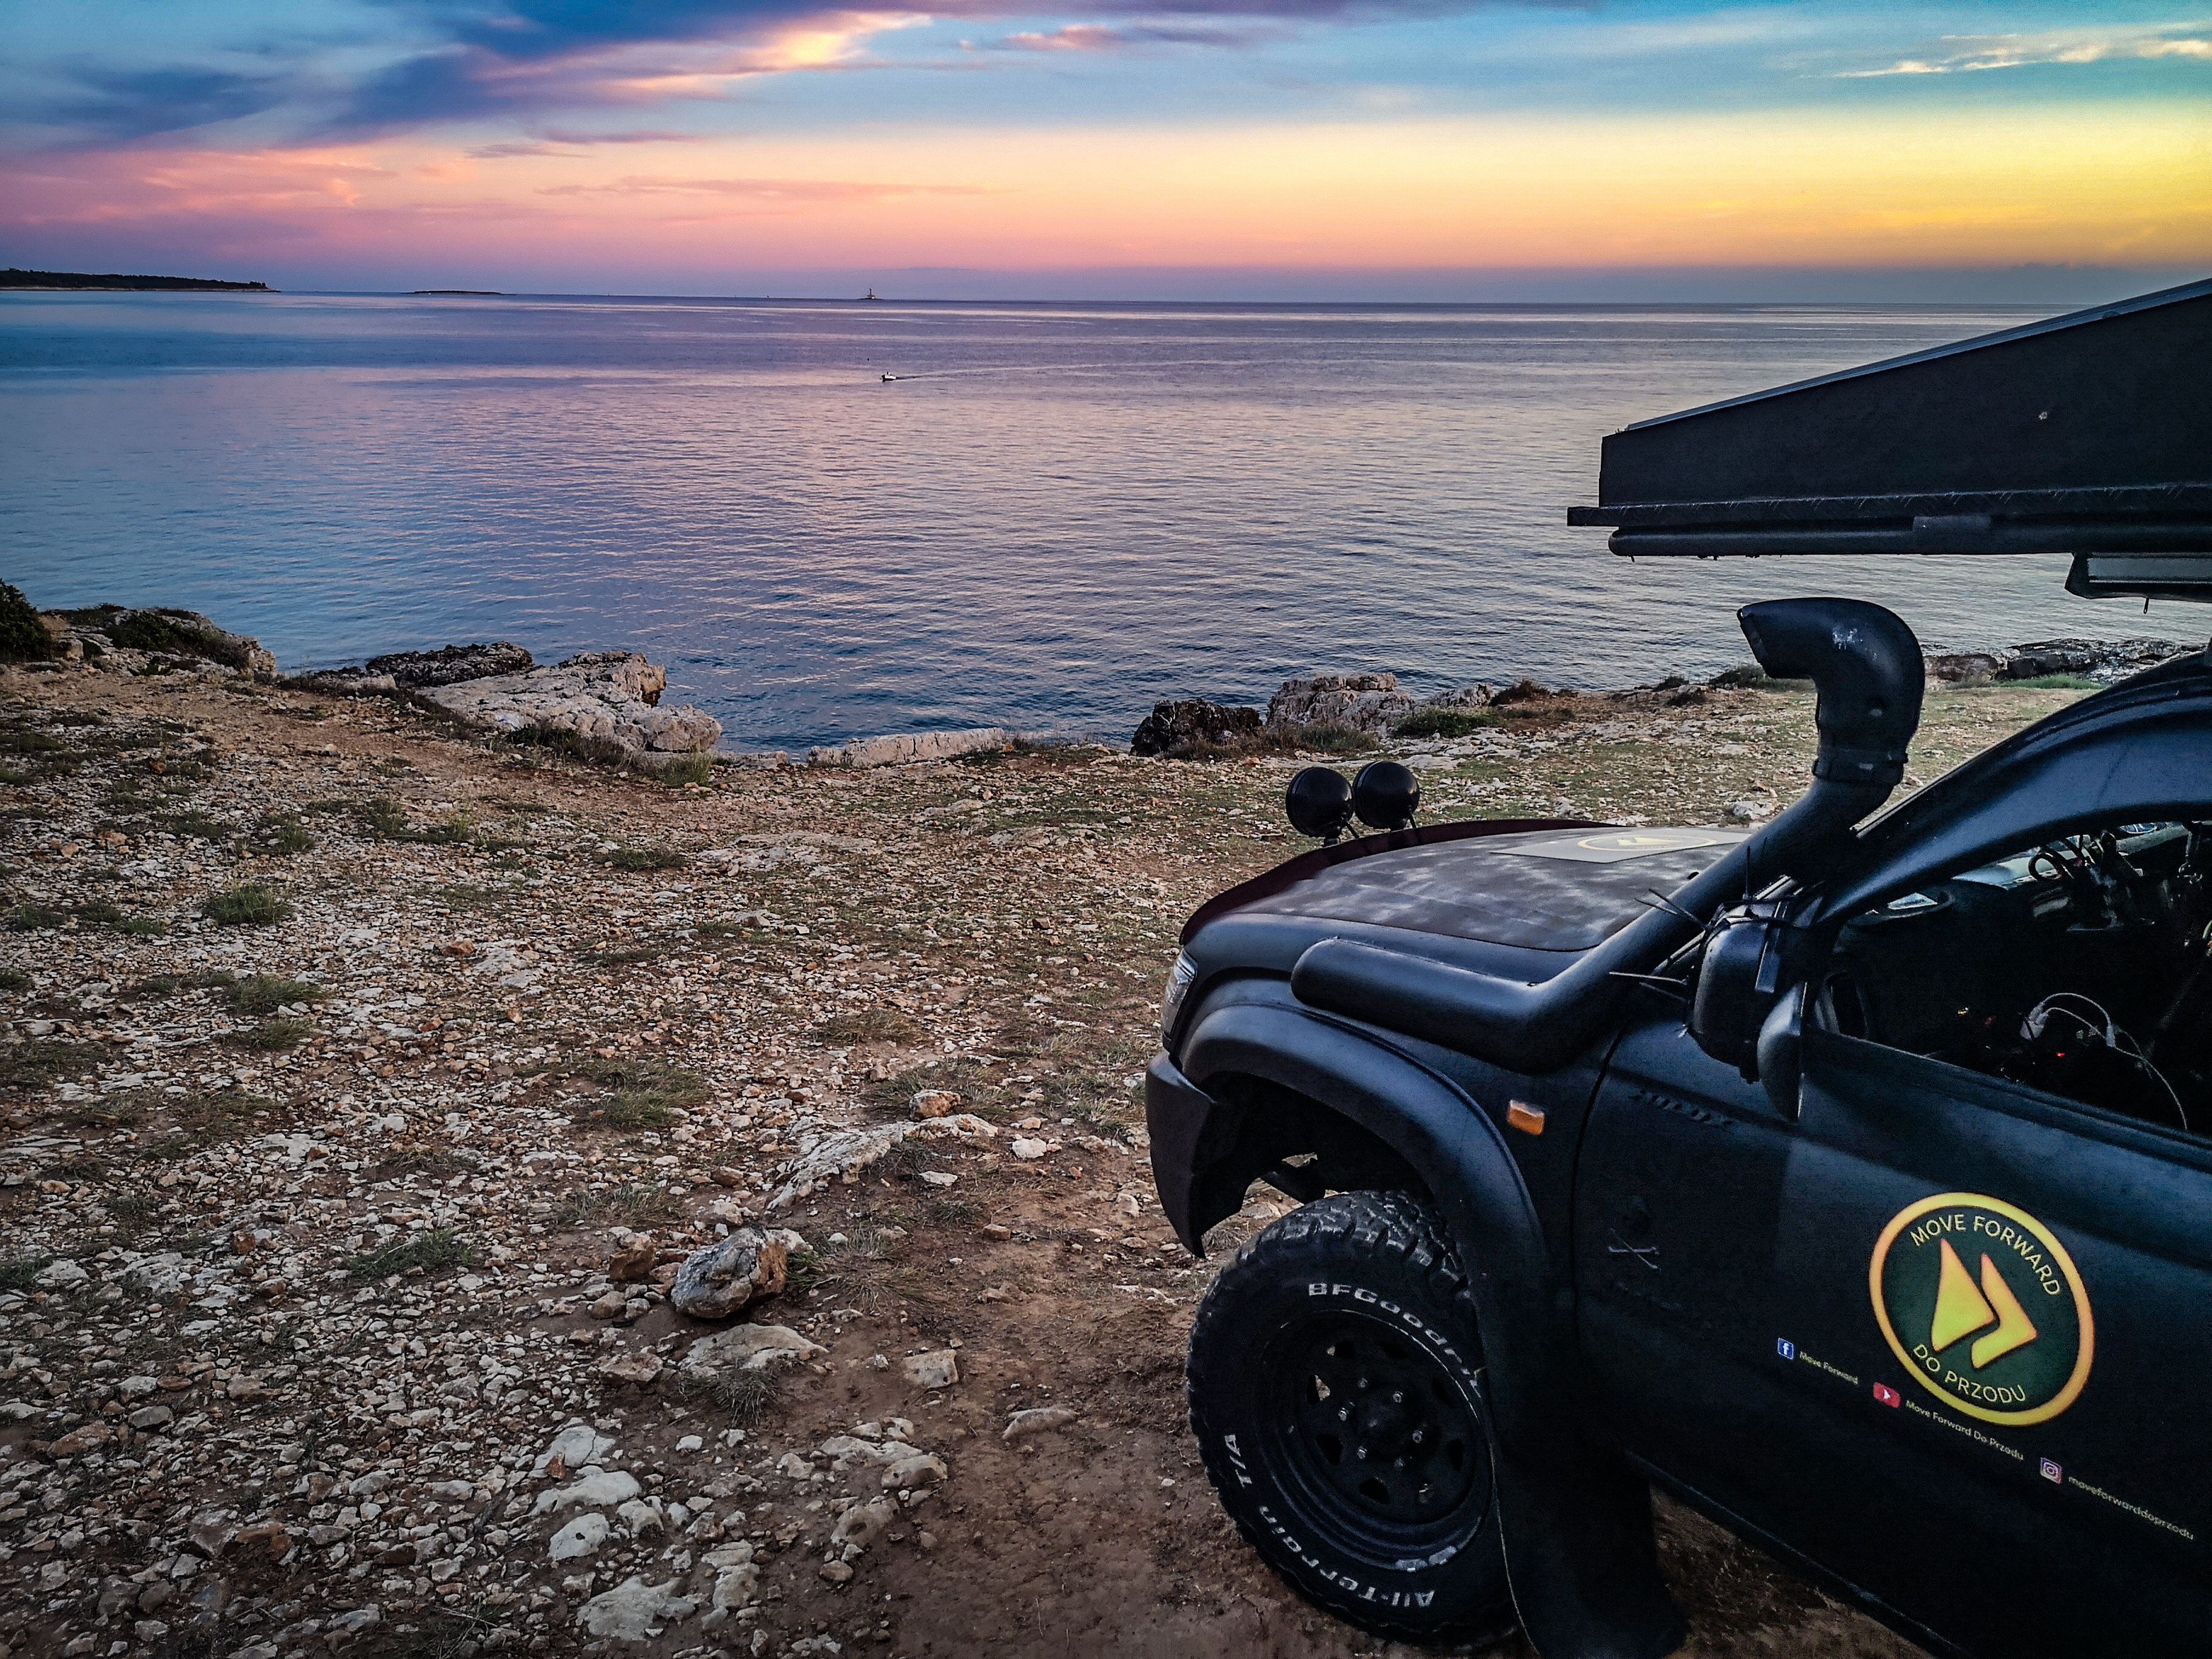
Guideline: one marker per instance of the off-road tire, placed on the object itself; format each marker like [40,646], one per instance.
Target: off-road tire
[1363,1288]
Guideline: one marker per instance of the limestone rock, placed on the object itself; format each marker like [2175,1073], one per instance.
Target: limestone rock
[1180,728]
[635,1610]
[746,1348]
[604,697]
[922,1470]
[717,1282]
[844,1154]
[1041,1419]
[862,1524]
[1366,703]
[936,1103]
[633,1257]
[580,1537]
[937,1369]
[595,1487]
[905,749]
[126,638]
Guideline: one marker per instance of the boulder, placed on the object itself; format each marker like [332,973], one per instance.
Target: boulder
[744,1348]
[1365,702]
[717,1282]
[1180,728]
[608,697]
[905,749]
[635,1610]
[449,665]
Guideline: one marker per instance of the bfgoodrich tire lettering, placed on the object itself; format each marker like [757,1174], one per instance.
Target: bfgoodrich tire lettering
[1333,1393]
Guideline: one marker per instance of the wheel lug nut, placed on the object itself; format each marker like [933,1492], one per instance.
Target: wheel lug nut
[1362,1384]
[1360,1453]
[1400,1464]
[1344,1413]
[1420,1435]
[1397,1397]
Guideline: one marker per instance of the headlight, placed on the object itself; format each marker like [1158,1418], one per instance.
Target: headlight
[1179,983]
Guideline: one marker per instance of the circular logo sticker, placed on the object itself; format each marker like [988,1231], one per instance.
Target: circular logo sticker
[1982,1304]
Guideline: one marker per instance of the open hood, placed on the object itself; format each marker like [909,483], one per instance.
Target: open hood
[2089,433]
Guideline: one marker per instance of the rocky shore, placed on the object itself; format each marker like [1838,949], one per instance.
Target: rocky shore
[462,1198]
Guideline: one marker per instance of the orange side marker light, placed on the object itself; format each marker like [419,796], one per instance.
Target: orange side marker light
[1521,1115]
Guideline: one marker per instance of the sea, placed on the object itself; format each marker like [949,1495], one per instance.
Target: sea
[832,519]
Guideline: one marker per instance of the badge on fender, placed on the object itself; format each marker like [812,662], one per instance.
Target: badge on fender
[1983,1305]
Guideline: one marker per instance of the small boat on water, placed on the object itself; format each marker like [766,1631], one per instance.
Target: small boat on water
[890,377]
[872,295]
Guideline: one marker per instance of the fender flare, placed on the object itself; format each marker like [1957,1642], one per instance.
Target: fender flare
[1575,1514]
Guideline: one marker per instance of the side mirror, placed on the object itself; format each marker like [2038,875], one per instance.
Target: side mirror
[1782,1051]
[1739,976]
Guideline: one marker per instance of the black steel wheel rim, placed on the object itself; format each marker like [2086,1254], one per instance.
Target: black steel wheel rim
[1381,1446]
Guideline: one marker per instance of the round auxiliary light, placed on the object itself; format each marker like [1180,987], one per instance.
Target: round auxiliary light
[1386,795]
[1319,802]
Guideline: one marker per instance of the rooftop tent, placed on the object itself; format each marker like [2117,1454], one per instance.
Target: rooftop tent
[2089,433]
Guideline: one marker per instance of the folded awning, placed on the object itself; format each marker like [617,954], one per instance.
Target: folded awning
[2089,433]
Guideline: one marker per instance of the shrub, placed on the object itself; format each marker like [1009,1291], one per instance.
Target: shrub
[23,637]
[282,833]
[1443,723]
[42,1060]
[150,630]
[2055,683]
[249,904]
[692,769]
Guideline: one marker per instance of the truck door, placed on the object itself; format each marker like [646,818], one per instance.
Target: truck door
[1947,1336]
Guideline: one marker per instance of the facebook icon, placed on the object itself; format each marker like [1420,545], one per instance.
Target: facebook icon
[1785,1348]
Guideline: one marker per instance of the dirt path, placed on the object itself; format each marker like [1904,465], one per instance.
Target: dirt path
[342,1055]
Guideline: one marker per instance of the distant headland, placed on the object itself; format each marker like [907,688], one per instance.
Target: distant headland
[78,279]
[473,292]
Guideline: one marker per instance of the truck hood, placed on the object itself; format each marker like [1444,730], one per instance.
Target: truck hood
[1517,898]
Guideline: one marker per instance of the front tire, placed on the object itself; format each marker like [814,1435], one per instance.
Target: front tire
[1335,1392]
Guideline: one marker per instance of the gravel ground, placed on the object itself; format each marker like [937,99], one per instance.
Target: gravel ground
[364,1085]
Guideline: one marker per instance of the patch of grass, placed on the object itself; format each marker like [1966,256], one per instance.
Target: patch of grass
[630,1206]
[28,918]
[222,1116]
[947,1212]
[98,913]
[12,981]
[458,830]
[249,904]
[264,993]
[746,1396]
[134,1213]
[644,858]
[1443,723]
[197,824]
[20,1273]
[2054,682]
[40,1061]
[441,1162]
[76,1169]
[627,955]
[383,819]
[877,1024]
[280,835]
[24,740]
[647,1094]
[271,1034]
[422,1254]
[692,769]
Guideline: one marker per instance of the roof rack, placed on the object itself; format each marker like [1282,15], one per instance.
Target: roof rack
[2089,434]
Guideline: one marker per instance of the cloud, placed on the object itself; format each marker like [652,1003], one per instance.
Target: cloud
[147,103]
[1099,37]
[427,63]
[555,141]
[788,192]
[1965,54]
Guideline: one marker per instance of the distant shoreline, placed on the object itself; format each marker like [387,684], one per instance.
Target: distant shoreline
[71,282]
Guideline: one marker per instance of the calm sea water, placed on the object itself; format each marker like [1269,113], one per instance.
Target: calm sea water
[1055,515]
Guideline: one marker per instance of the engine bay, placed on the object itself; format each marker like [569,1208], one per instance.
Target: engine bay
[2081,967]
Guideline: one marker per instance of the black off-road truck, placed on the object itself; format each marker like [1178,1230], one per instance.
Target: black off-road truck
[1850,1179]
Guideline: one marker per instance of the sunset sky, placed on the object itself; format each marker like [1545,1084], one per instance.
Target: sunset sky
[1351,148]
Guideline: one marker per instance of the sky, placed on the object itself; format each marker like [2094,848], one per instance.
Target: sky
[1387,150]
